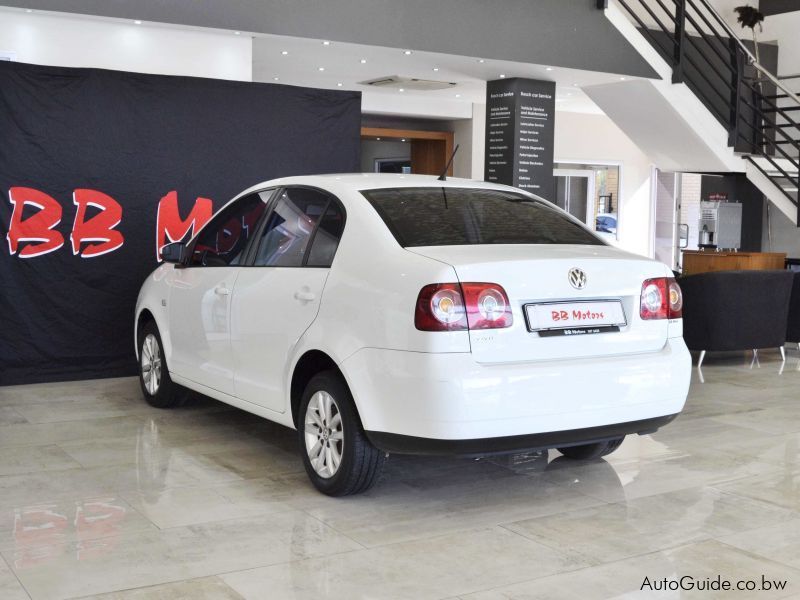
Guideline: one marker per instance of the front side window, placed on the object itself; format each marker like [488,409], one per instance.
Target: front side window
[290,226]
[222,242]
[442,216]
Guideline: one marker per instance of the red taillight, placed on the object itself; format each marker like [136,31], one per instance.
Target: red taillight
[456,307]
[675,299]
[487,306]
[661,299]
[440,307]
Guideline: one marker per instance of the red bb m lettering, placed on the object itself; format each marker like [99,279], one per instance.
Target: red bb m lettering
[169,225]
[99,228]
[36,228]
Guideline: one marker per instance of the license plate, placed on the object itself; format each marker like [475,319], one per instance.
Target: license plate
[593,317]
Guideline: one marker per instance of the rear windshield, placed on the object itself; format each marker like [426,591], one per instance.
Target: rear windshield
[432,216]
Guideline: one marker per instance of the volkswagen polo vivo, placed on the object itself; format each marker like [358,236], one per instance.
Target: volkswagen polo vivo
[382,314]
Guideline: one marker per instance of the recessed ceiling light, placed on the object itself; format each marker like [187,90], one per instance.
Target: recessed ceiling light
[339,84]
[326,43]
[402,90]
[274,79]
[458,95]
[403,140]
[379,139]
[481,60]
[237,33]
[407,52]
[320,68]
[502,75]
[549,69]
[363,60]
[284,52]
[622,78]
[435,68]
[137,22]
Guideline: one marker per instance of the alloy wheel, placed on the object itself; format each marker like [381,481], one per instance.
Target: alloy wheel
[151,364]
[324,434]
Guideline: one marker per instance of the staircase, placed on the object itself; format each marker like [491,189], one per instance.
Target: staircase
[715,108]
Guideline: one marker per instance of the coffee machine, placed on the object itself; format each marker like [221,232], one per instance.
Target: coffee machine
[720,226]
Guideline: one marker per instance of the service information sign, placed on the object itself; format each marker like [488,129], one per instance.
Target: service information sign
[519,134]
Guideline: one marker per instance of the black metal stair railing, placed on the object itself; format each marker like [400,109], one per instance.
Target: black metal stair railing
[759,111]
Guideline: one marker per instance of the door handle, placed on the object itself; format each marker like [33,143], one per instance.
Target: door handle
[221,290]
[304,296]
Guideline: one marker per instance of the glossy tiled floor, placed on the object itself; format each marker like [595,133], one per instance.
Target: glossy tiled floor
[102,495]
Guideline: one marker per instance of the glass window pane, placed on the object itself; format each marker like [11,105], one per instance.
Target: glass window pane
[289,227]
[223,241]
[326,240]
[467,216]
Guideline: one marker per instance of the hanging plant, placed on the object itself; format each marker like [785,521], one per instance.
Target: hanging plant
[749,17]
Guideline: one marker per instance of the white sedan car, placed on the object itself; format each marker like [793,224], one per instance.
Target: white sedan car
[382,314]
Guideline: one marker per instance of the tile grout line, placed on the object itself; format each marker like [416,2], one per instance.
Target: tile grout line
[744,496]
[318,520]
[755,555]
[145,587]
[14,573]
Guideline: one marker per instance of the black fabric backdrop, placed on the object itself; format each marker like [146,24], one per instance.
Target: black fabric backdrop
[135,138]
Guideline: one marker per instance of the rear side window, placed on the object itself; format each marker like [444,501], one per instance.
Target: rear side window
[326,238]
[432,216]
[291,225]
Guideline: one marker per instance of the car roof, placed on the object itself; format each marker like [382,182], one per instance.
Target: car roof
[367,181]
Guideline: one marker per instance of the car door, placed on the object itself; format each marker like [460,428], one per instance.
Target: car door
[199,301]
[278,297]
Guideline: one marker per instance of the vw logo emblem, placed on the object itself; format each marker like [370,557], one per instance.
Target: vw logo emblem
[577,278]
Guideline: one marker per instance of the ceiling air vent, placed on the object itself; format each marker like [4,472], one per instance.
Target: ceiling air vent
[408,83]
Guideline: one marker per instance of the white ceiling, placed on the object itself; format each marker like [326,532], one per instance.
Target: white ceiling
[342,64]
[298,61]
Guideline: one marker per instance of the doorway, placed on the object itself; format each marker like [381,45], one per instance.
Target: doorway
[407,151]
[575,192]
[590,191]
[676,216]
[667,215]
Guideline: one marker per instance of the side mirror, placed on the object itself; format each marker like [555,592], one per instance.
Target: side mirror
[174,253]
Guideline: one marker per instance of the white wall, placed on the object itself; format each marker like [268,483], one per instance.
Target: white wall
[591,138]
[148,48]
[468,135]
[784,29]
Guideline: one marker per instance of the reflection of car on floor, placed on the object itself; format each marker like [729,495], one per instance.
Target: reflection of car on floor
[383,314]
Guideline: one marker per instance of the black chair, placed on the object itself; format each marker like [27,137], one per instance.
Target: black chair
[793,325]
[736,310]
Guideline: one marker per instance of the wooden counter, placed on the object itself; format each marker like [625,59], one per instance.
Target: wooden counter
[696,261]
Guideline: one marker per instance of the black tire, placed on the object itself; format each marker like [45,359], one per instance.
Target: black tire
[360,462]
[166,393]
[592,451]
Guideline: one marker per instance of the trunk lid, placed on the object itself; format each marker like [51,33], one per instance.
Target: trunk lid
[532,274]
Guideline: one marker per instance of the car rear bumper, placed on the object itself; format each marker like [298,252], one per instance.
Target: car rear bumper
[446,402]
[406,444]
